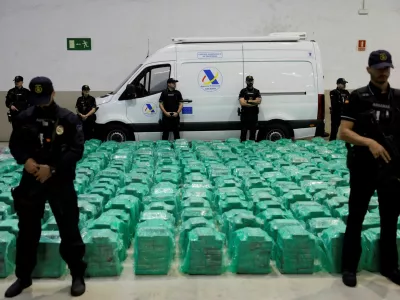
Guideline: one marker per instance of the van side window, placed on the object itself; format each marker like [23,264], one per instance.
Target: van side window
[152,80]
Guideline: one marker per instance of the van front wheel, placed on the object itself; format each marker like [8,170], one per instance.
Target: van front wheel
[118,133]
[275,132]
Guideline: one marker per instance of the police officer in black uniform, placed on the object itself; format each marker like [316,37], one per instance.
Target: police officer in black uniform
[86,108]
[371,124]
[171,106]
[338,96]
[48,141]
[17,98]
[250,99]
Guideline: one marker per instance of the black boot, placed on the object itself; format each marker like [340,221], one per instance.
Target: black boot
[349,279]
[393,276]
[78,286]
[17,287]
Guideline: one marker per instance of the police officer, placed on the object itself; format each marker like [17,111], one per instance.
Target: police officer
[86,108]
[48,141]
[249,98]
[338,96]
[171,106]
[370,119]
[17,98]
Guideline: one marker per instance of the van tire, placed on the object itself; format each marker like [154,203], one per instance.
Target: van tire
[118,133]
[274,132]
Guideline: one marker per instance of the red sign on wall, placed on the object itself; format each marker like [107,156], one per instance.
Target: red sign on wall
[362,45]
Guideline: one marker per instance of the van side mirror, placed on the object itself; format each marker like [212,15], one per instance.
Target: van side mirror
[130,89]
[129,93]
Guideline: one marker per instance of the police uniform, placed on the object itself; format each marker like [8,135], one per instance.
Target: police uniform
[84,105]
[171,100]
[338,96]
[249,115]
[375,115]
[17,97]
[50,136]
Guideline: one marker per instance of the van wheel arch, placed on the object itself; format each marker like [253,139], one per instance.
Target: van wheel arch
[117,131]
[275,130]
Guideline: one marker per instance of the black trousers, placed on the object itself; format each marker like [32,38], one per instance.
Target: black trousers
[335,124]
[29,201]
[168,125]
[248,125]
[88,128]
[365,178]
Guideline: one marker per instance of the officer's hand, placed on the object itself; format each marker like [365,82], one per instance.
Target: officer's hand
[175,115]
[31,166]
[168,115]
[83,117]
[378,151]
[13,108]
[43,173]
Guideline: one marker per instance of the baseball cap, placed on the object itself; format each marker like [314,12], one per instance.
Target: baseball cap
[171,80]
[249,78]
[380,59]
[41,89]
[18,78]
[341,81]
[85,88]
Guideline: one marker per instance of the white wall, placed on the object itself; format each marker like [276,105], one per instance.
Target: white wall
[33,34]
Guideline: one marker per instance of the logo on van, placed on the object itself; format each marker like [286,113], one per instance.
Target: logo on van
[210,79]
[149,109]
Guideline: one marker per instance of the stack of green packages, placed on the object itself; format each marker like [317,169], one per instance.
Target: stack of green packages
[128,204]
[49,261]
[7,254]
[204,254]
[9,225]
[294,196]
[317,225]
[250,250]
[241,221]
[188,226]
[154,248]
[5,211]
[273,227]
[332,241]
[295,251]
[192,212]
[105,253]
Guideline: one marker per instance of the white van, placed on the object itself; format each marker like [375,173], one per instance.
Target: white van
[286,68]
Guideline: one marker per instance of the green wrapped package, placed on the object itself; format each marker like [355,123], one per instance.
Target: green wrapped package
[7,198]
[323,196]
[233,203]
[344,191]
[154,249]
[5,211]
[189,225]
[272,214]
[192,212]
[307,212]
[98,201]
[373,203]
[204,254]
[371,221]
[335,202]
[202,193]
[341,213]
[126,218]
[250,251]
[254,193]
[250,183]
[127,206]
[264,205]
[162,206]
[49,261]
[134,201]
[261,196]
[157,215]
[111,183]
[88,209]
[283,187]
[229,215]
[262,166]
[317,225]
[274,225]
[195,202]
[7,254]
[51,224]
[273,177]
[136,177]
[104,192]
[224,193]
[172,177]
[170,199]
[301,176]
[241,221]
[312,186]
[105,253]
[138,190]
[371,251]
[113,174]
[294,196]
[295,250]
[10,225]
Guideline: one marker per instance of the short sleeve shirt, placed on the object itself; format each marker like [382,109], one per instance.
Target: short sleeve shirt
[171,100]
[85,104]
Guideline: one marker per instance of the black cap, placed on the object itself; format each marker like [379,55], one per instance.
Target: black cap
[18,78]
[249,78]
[171,80]
[85,88]
[41,89]
[380,59]
[341,81]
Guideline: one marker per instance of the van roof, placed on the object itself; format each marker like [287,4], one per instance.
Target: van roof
[273,37]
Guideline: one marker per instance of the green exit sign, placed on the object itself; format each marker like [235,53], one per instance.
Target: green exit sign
[84,44]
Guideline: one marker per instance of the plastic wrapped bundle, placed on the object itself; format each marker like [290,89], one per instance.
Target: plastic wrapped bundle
[128,226]
[241,221]
[10,181]
[7,166]
[247,172]
[98,201]
[265,205]
[274,225]
[198,184]
[131,208]
[105,253]
[341,213]
[332,240]
[7,254]
[373,203]
[272,214]
[295,250]
[233,203]
[9,225]
[312,187]
[49,261]
[195,202]
[273,177]
[371,221]
[336,202]
[164,188]
[283,187]
[229,215]
[154,249]
[201,193]
[250,183]
[169,199]
[256,196]
[371,251]
[104,192]
[136,177]
[193,212]
[204,254]
[262,166]
[195,168]
[188,226]
[344,191]
[51,224]
[322,196]
[157,215]
[88,209]
[301,176]
[317,225]
[174,178]
[307,212]
[138,190]
[159,205]
[224,193]
[5,211]
[295,196]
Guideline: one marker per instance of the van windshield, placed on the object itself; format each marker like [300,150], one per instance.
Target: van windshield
[124,81]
